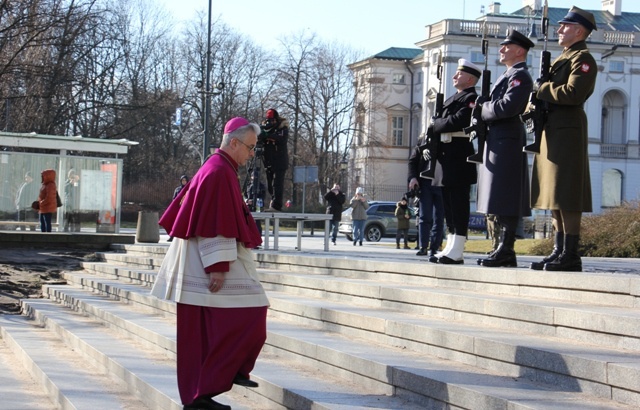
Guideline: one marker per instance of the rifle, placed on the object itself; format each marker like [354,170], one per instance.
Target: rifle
[432,139]
[536,116]
[478,128]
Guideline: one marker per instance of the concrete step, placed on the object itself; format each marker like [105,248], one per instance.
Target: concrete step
[140,371]
[18,388]
[284,381]
[422,379]
[593,371]
[602,288]
[106,279]
[607,326]
[70,380]
[597,371]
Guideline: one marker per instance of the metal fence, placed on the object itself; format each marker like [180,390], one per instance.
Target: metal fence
[383,192]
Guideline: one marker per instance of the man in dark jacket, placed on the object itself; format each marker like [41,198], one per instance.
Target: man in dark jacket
[275,134]
[457,174]
[561,180]
[335,199]
[431,207]
[503,177]
[183,181]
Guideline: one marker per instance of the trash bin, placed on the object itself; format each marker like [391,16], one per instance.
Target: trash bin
[148,230]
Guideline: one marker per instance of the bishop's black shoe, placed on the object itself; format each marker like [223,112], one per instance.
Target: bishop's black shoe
[204,403]
[240,380]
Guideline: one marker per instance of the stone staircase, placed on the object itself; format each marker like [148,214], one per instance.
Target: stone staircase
[343,333]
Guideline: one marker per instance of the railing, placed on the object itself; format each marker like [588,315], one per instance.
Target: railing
[499,29]
[613,150]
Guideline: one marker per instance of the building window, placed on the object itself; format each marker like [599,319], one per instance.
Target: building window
[398,78]
[616,66]
[614,121]
[397,131]
[477,57]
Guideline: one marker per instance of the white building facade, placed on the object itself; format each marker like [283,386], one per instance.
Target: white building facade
[395,96]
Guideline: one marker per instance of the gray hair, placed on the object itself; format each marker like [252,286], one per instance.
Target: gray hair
[240,133]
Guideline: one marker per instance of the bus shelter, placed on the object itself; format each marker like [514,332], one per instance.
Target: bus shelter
[90,187]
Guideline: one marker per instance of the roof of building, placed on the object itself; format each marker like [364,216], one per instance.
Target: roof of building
[398,53]
[626,22]
[57,142]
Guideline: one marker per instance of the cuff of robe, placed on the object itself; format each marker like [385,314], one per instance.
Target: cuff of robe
[218,267]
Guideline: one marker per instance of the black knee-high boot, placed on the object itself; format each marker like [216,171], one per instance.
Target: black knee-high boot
[558,247]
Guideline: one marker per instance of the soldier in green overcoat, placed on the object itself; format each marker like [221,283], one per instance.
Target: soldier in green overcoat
[561,181]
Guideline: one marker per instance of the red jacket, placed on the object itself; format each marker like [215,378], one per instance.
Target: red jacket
[47,197]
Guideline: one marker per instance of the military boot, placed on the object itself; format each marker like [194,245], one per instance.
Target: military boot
[558,247]
[569,260]
[505,256]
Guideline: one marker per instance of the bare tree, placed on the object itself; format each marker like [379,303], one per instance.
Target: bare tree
[316,86]
[46,41]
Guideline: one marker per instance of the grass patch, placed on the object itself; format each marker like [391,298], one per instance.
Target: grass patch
[522,246]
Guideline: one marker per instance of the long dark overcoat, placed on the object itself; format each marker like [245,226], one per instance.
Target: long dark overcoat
[503,177]
[456,115]
[561,178]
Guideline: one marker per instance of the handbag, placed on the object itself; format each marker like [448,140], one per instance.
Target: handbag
[35,205]
[58,200]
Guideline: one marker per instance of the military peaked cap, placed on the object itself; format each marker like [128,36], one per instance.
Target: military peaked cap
[515,37]
[578,16]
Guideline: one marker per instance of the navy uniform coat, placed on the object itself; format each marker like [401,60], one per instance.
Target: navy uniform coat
[503,177]
[456,115]
[561,178]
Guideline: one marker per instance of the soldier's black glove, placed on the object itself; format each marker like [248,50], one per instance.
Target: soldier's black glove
[481,100]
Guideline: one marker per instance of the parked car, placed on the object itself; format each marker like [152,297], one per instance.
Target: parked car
[381,222]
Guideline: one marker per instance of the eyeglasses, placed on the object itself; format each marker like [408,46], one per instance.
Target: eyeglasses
[249,147]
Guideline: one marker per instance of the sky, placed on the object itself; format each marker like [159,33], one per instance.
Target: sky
[369,26]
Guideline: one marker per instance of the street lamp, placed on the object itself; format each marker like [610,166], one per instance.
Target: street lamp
[207,101]
[343,170]
[208,91]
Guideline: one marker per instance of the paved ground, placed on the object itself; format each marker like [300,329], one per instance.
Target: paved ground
[386,250]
